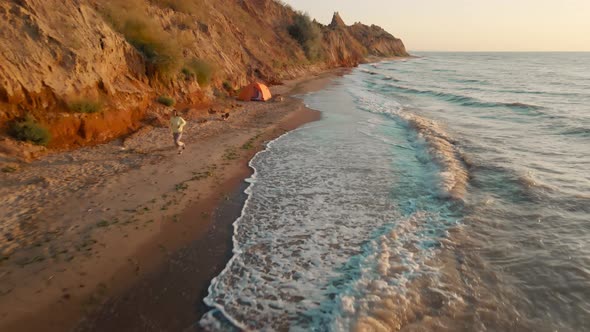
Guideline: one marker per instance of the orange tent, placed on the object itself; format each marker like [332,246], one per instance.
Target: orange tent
[255,91]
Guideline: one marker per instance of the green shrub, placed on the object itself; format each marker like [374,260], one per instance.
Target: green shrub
[199,69]
[29,130]
[308,34]
[165,100]
[157,46]
[9,169]
[187,73]
[227,86]
[181,186]
[85,106]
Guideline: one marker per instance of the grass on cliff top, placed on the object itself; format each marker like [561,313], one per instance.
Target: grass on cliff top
[158,47]
[29,130]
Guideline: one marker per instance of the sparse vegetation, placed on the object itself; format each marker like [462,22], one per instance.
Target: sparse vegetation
[204,174]
[85,106]
[9,169]
[183,6]
[157,46]
[29,260]
[250,143]
[230,154]
[165,100]
[201,175]
[228,86]
[186,72]
[86,243]
[181,186]
[29,130]
[308,34]
[198,69]
[102,223]
[167,205]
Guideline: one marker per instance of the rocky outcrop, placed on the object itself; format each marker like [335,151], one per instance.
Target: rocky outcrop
[59,52]
[349,45]
[377,41]
[337,21]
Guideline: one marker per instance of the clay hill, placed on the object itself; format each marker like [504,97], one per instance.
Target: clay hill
[79,72]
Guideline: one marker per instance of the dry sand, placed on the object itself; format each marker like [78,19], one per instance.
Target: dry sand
[131,223]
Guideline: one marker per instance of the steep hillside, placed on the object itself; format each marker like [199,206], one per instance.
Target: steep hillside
[89,70]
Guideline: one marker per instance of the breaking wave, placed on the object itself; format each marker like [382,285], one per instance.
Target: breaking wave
[466,100]
[439,147]
[382,76]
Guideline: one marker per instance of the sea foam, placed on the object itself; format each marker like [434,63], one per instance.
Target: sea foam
[439,147]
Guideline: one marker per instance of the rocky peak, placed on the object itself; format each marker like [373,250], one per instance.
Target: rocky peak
[337,21]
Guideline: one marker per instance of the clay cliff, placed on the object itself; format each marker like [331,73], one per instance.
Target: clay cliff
[91,70]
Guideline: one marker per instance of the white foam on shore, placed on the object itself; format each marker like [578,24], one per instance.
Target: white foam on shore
[208,319]
[320,242]
[307,216]
[431,142]
[384,296]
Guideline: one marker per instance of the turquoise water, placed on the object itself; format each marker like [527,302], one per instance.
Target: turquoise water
[449,192]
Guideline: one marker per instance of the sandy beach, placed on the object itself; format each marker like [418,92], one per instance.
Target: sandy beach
[341,168]
[127,235]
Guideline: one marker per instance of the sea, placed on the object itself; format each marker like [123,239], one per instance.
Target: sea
[445,192]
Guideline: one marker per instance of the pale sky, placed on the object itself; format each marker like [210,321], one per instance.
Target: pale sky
[468,25]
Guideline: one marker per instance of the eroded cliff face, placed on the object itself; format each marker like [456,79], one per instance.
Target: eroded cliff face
[123,54]
[57,51]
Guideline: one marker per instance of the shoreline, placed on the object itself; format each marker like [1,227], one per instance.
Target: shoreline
[165,291]
[140,257]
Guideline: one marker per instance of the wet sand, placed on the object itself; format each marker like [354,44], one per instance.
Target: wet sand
[129,234]
[170,297]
